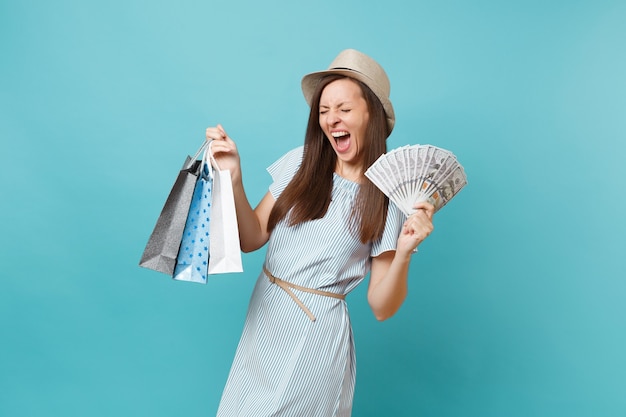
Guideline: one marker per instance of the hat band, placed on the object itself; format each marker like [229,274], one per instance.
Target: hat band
[349,69]
[381,96]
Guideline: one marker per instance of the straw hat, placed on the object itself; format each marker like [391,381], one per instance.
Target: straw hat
[357,65]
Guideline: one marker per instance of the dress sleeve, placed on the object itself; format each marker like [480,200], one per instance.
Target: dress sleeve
[393,227]
[283,170]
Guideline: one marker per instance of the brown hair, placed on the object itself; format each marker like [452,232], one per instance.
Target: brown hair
[307,196]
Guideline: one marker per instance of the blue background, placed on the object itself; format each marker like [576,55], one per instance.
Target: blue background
[516,304]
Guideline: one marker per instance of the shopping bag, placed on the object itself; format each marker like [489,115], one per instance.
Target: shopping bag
[193,256]
[210,242]
[163,245]
[224,231]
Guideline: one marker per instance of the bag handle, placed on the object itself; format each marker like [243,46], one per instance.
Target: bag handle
[206,170]
[207,156]
[213,161]
[190,160]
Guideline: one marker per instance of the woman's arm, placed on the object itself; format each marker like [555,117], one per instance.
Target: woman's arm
[252,222]
[389,275]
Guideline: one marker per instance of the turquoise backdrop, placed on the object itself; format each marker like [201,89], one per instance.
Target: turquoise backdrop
[517,300]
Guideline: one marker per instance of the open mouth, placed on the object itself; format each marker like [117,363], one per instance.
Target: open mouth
[342,139]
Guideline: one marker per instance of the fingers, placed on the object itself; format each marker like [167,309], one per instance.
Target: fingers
[222,143]
[419,225]
[425,207]
[221,146]
[216,133]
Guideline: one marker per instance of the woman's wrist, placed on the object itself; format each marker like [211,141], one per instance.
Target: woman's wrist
[403,255]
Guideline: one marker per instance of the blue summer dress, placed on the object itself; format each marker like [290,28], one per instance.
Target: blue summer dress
[287,365]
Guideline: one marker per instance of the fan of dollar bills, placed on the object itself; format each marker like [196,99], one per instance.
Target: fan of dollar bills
[413,173]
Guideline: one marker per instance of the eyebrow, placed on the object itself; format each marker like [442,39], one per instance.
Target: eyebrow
[343,103]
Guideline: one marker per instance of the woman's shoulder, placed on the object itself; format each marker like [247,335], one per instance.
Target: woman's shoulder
[295,154]
[289,162]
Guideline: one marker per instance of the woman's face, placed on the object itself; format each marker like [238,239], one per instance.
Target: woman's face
[343,118]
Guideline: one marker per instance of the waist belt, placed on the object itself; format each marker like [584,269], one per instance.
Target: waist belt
[286,286]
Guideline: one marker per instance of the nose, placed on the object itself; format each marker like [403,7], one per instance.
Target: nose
[333,118]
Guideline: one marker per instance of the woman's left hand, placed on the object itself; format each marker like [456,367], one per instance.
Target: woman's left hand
[416,228]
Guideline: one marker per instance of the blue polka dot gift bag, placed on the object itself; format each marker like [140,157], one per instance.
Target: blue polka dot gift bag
[210,241]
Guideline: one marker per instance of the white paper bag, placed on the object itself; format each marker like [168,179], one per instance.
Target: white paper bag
[225,251]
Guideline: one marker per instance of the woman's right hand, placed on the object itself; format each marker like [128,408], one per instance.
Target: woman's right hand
[224,151]
[252,223]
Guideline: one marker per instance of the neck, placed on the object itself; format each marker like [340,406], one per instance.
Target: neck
[350,172]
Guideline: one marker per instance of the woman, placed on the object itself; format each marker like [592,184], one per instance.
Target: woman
[326,227]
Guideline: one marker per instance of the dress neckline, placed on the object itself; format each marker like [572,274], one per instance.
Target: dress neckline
[345,183]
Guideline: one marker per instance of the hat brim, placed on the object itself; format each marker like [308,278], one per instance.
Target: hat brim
[312,80]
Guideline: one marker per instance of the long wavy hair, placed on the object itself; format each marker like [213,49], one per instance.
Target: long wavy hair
[307,196]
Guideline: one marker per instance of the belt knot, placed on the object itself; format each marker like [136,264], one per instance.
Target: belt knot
[286,286]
